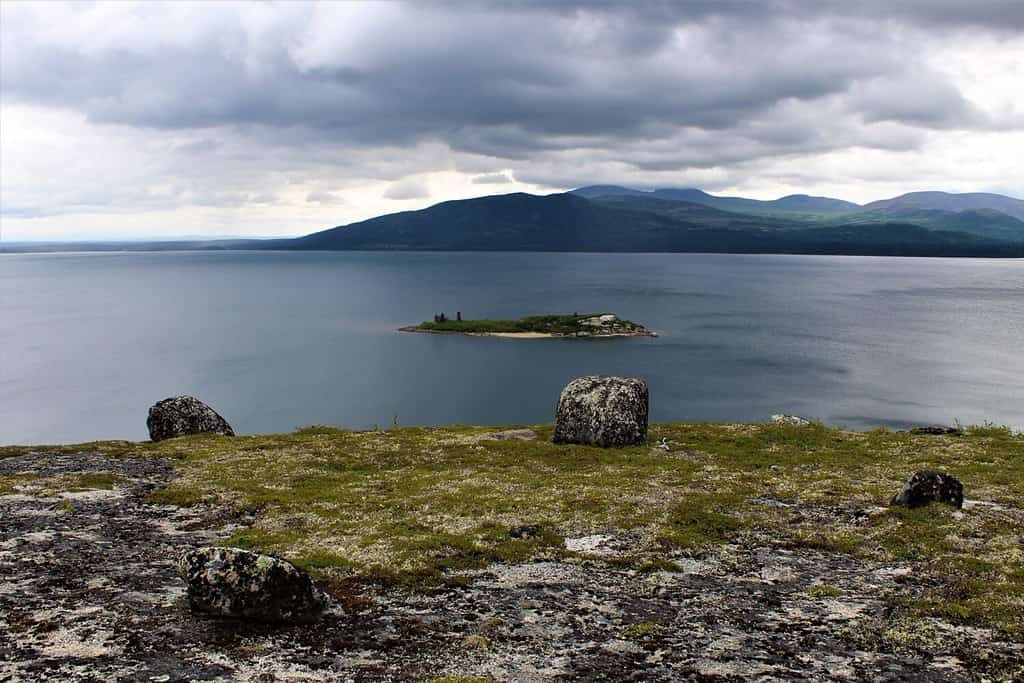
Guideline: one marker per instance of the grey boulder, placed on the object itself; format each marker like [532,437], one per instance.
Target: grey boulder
[926,487]
[236,583]
[794,420]
[937,430]
[184,415]
[603,411]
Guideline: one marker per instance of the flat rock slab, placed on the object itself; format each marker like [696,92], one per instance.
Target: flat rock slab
[93,594]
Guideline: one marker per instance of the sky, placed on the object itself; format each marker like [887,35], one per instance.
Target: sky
[146,120]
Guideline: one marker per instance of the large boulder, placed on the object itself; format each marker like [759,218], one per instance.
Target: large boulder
[603,411]
[937,430]
[794,420]
[231,582]
[926,487]
[184,415]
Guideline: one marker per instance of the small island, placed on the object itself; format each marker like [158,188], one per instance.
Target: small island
[575,326]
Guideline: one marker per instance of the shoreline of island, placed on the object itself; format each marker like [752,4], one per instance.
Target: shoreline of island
[529,335]
[575,326]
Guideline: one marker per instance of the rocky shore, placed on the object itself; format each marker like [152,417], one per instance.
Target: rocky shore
[90,592]
[779,551]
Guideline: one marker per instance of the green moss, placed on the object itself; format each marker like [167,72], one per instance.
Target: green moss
[641,630]
[36,485]
[107,448]
[822,590]
[407,505]
[697,520]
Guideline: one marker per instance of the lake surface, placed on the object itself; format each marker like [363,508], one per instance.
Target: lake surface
[276,340]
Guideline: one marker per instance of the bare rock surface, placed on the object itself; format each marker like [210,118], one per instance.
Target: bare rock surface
[603,411]
[90,592]
[184,415]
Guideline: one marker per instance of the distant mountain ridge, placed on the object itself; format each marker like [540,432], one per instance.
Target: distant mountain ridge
[639,222]
[618,219]
[794,203]
[981,214]
[945,201]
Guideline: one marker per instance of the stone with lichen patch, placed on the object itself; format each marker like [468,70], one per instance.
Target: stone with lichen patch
[926,487]
[794,420]
[184,415]
[603,411]
[231,582]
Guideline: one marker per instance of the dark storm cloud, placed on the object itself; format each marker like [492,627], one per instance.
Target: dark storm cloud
[653,86]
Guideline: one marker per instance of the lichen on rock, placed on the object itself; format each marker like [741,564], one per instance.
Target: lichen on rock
[603,411]
[794,420]
[926,487]
[182,416]
[231,582]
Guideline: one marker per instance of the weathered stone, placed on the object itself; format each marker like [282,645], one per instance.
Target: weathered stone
[791,420]
[184,415]
[937,430]
[603,411]
[525,531]
[231,582]
[930,487]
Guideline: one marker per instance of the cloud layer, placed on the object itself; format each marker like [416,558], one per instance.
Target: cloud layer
[218,113]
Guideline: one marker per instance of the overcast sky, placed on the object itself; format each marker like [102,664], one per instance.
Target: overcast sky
[148,119]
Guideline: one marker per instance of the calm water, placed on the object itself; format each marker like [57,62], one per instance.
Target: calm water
[277,340]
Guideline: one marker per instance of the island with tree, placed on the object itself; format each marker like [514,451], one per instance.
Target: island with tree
[575,326]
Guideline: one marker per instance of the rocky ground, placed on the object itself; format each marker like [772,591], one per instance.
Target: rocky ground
[90,593]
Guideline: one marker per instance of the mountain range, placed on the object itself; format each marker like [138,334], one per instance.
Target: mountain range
[619,219]
[610,218]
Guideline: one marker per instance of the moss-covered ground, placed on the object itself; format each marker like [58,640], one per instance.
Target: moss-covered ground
[408,504]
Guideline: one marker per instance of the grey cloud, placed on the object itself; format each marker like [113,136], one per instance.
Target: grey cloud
[491,179]
[409,188]
[607,71]
[324,197]
[377,92]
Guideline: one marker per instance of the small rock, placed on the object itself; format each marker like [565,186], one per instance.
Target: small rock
[184,415]
[937,430]
[231,582]
[603,411]
[930,487]
[791,420]
[525,531]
